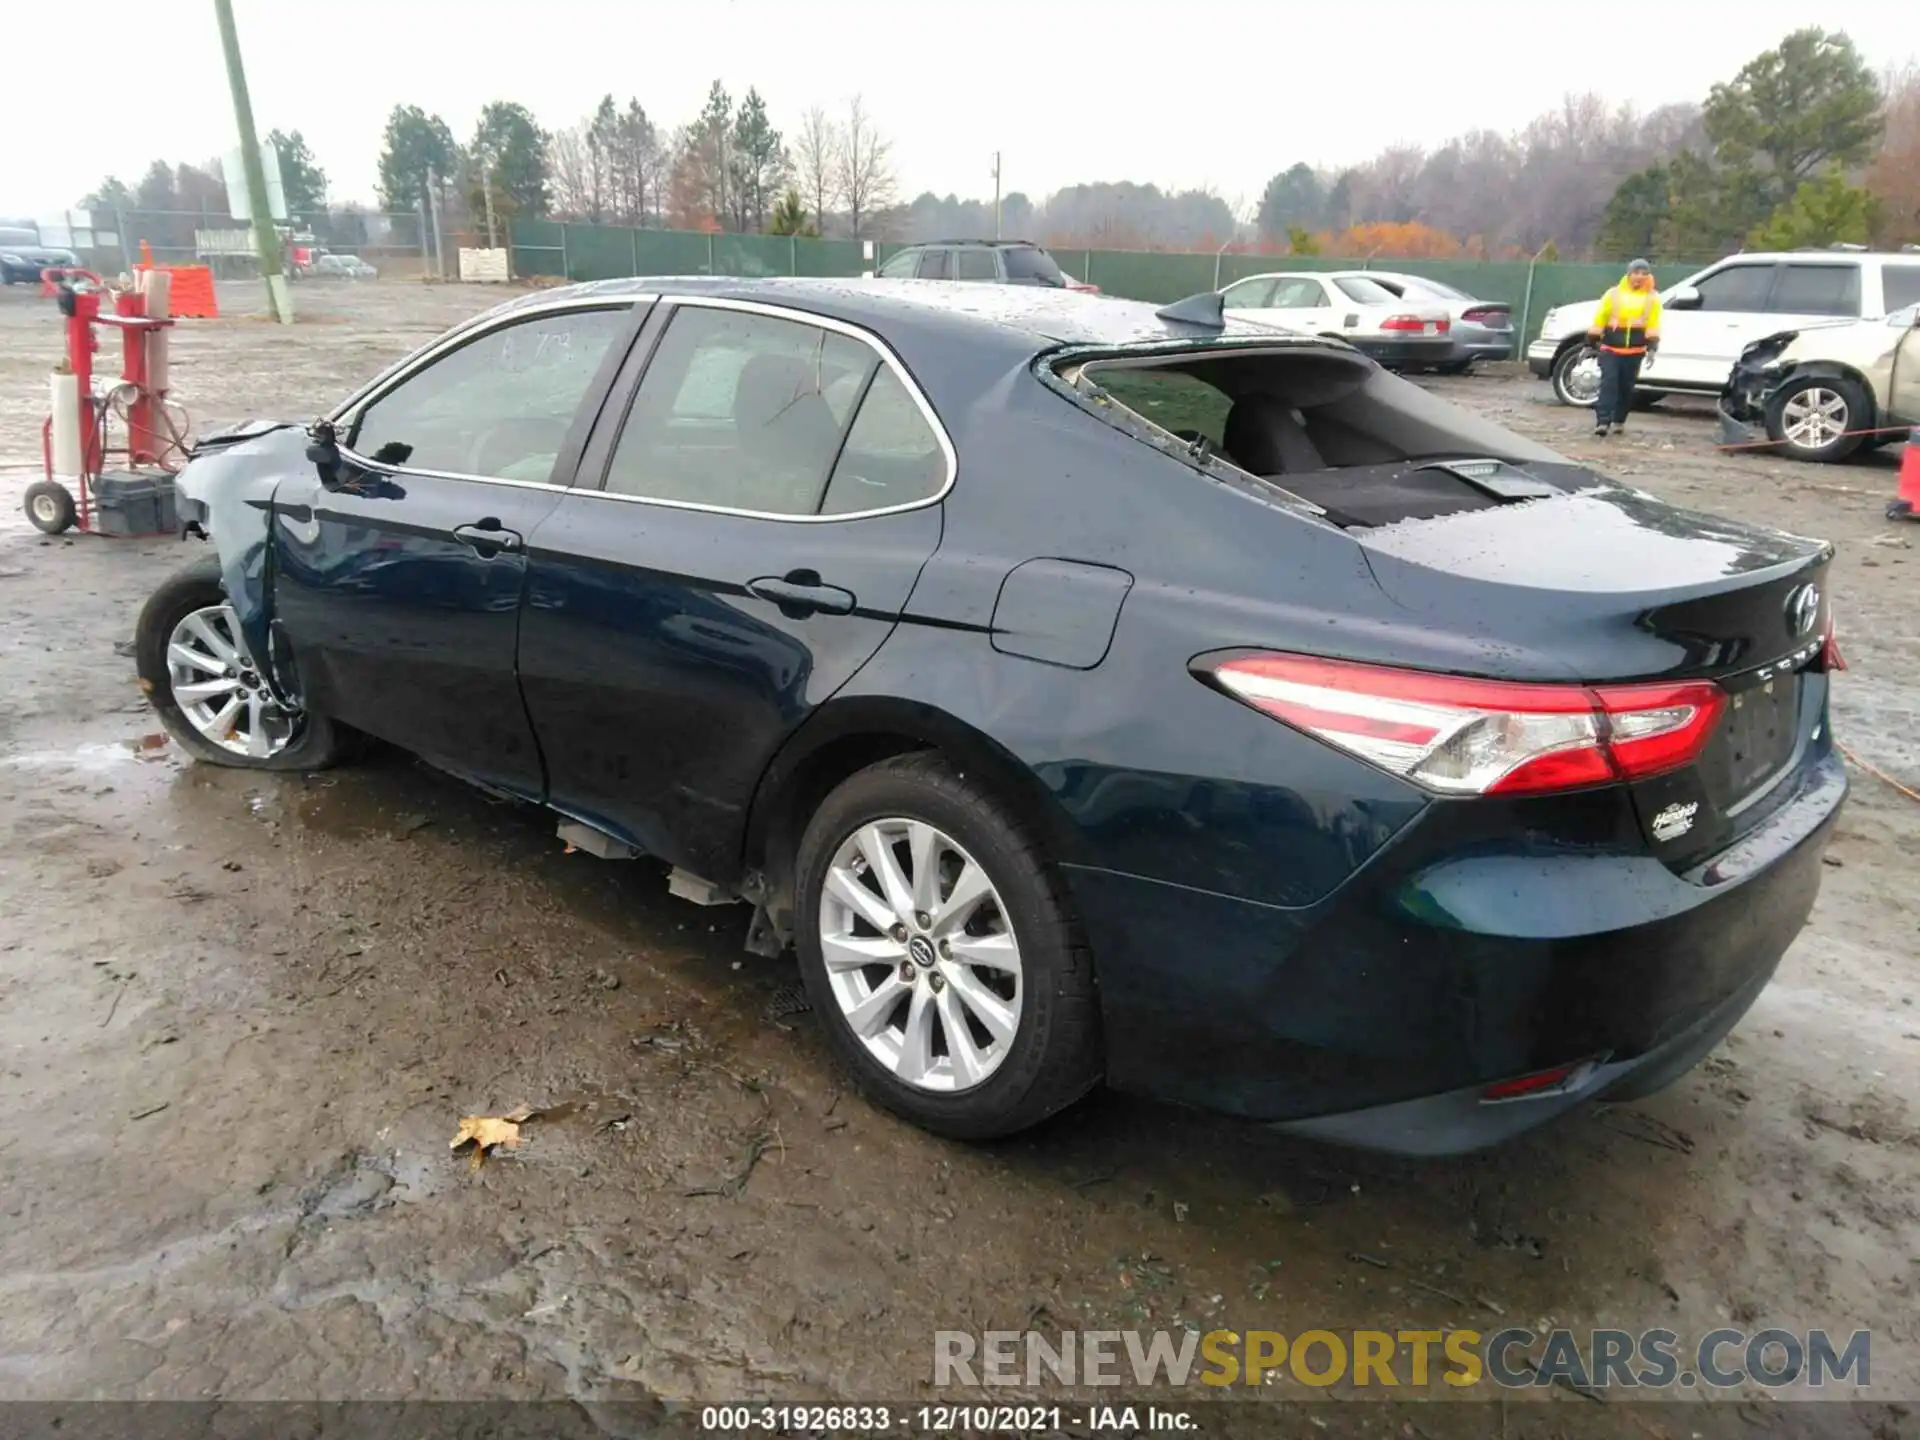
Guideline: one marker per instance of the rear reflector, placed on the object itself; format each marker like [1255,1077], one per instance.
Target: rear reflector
[1831,659]
[1540,1084]
[1479,737]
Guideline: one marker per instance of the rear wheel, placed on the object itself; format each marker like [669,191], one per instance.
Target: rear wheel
[1455,367]
[208,691]
[938,949]
[1811,418]
[1576,376]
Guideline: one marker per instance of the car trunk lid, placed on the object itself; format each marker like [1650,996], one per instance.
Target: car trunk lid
[1608,585]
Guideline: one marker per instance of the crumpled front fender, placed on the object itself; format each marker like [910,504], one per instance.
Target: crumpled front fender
[228,490]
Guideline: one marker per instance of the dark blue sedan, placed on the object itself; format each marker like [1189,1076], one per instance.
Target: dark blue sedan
[1085,692]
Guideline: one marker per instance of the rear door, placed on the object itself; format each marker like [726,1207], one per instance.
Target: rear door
[1812,292]
[399,588]
[1298,302]
[750,520]
[1698,344]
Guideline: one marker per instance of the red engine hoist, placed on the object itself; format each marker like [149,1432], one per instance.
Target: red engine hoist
[75,439]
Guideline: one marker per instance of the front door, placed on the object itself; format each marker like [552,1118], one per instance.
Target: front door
[398,587]
[764,507]
[1699,343]
[1903,391]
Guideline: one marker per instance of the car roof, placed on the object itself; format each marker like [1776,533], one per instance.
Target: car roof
[990,244]
[1016,316]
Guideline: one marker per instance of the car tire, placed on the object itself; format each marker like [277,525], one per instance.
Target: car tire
[49,506]
[1046,1006]
[1570,379]
[1455,367]
[289,740]
[1810,416]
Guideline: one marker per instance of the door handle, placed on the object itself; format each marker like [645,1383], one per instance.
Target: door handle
[800,593]
[487,537]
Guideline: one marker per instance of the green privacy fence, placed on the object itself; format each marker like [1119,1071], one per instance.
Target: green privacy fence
[603,252]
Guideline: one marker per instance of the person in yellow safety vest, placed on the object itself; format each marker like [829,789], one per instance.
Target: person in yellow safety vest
[1626,327]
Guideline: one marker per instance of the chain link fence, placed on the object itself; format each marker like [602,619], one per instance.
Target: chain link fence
[576,250]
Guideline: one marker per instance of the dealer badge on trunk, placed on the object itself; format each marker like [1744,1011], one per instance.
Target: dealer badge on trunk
[1674,821]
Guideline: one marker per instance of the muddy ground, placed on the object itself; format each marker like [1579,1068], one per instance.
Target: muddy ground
[241,1017]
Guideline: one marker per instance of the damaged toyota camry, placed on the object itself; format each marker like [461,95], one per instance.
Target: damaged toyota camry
[1085,692]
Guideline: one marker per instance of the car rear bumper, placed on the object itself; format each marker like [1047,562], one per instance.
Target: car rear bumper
[1480,342]
[1436,350]
[1451,963]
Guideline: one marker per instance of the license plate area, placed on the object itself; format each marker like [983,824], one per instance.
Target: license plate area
[1757,735]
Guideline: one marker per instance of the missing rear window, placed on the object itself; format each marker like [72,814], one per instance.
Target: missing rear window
[1322,425]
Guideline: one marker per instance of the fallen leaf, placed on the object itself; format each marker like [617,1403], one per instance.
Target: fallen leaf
[484,1132]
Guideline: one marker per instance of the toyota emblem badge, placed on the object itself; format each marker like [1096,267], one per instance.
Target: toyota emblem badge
[1803,608]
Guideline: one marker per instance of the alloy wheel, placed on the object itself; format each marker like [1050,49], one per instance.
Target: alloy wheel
[1581,380]
[219,689]
[1814,418]
[920,956]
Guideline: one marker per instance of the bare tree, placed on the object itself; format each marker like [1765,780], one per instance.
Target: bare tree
[570,163]
[816,154]
[1894,175]
[864,169]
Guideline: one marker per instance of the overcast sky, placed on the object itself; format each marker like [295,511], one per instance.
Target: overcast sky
[1178,92]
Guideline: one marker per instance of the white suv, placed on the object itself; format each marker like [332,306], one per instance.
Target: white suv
[1709,318]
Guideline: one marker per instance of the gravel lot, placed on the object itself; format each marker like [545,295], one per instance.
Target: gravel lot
[240,1018]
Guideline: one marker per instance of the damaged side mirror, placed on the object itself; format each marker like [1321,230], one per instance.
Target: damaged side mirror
[323,452]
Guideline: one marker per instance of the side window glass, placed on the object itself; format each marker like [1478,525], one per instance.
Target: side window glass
[739,411]
[933,265]
[498,406]
[901,266]
[1738,287]
[892,456]
[1817,290]
[1248,295]
[1298,295]
[1902,285]
[975,264]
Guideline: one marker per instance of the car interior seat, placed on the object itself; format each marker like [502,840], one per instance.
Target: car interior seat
[786,431]
[1264,435]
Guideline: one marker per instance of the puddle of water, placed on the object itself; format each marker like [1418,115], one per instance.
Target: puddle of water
[94,759]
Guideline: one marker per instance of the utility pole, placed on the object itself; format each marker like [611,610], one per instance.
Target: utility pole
[433,209]
[996,194]
[266,241]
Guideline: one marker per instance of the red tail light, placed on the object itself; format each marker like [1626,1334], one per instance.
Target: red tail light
[1415,324]
[1480,737]
[1480,314]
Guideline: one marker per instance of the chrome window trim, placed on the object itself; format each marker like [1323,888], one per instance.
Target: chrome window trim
[394,376]
[839,327]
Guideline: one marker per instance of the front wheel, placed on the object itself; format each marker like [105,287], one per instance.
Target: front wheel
[939,950]
[208,691]
[1576,377]
[1813,418]
[49,505]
